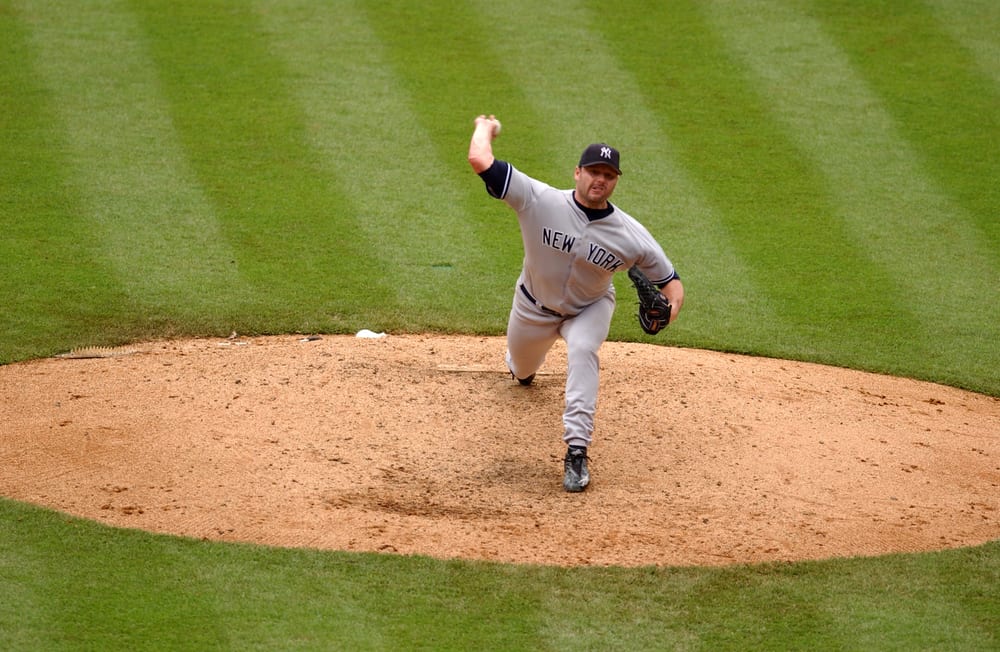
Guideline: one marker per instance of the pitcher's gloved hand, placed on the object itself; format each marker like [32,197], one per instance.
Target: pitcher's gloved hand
[654,308]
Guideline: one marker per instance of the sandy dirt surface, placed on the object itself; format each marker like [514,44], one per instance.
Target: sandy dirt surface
[424,445]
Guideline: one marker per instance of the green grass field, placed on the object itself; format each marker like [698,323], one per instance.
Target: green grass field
[823,174]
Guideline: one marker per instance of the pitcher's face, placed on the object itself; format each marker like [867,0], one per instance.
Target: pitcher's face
[594,185]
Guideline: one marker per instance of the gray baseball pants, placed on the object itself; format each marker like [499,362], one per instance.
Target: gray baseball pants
[531,332]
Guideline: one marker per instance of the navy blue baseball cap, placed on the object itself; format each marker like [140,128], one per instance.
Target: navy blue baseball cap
[600,154]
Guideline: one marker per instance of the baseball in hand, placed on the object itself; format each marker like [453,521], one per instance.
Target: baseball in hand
[496,127]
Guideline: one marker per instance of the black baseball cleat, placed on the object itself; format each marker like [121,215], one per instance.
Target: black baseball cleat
[577,476]
[523,381]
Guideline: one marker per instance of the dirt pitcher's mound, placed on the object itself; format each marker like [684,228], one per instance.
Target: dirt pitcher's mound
[423,444]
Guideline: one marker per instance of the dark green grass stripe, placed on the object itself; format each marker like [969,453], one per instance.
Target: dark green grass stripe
[101,588]
[54,283]
[293,229]
[773,201]
[933,87]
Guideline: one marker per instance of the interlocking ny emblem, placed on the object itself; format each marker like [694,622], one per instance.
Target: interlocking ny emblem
[606,152]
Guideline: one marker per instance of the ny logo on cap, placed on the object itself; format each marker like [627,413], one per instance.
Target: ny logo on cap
[600,154]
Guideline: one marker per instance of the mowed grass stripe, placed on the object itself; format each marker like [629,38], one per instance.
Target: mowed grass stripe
[896,214]
[373,139]
[137,192]
[976,25]
[55,280]
[944,107]
[963,613]
[569,72]
[107,600]
[124,589]
[766,191]
[28,571]
[436,56]
[292,228]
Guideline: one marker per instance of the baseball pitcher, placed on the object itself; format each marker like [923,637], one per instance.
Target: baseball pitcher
[574,242]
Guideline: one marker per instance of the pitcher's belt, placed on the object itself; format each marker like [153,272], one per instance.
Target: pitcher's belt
[549,311]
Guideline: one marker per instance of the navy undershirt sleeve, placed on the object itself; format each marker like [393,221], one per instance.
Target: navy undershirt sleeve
[497,178]
[673,277]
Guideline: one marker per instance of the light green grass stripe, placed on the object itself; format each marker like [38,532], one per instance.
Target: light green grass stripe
[899,217]
[975,24]
[159,231]
[572,78]
[26,609]
[369,136]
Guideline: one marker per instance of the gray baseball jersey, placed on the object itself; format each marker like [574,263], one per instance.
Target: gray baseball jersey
[569,260]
